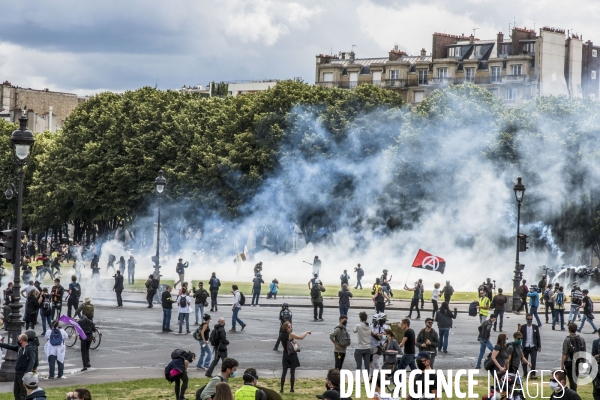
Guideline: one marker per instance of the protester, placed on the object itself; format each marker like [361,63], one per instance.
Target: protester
[428,391]
[311,281]
[34,298]
[576,298]
[344,296]
[111,262]
[588,310]
[390,350]
[214,284]
[380,299]
[249,391]
[483,306]
[428,340]
[500,354]
[167,306]
[86,308]
[484,337]
[290,354]
[444,319]
[88,327]
[359,275]
[548,293]
[152,285]
[560,390]
[180,271]
[46,309]
[122,264]
[448,291]
[177,371]
[515,354]
[317,299]
[378,327]
[25,363]
[559,308]
[344,279]
[235,308]
[131,270]
[183,305]
[228,370]
[408,343]
[285,315]
[74,294]
[341,340]
[414,303]
[532,343]
[362,352]
[256,287]
[534,303]
[332,384]
[273,288]
[222,392]
[572,344]
[55,349]
[118,288]
[33,391]
[219,342]
[204,335]
[435,295]
[200,300]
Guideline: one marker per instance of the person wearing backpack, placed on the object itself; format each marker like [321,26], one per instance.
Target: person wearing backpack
[341,340]
[317,299]
[380,298]
[549,302]
[86,308]
[559,308]
[74,294]
[46,309]
[534,303]
[572,344]
[444,319]
[238,302]
[256,286]
[200,300]
[428,340]
[55,349]
[183,305]
[218,341]
[150,291]
[344,296]
[515,354]
[596,355]
[359,275]
[576,297]
[522,292]
[202,335]
[228,370]
[447,291]
[344,278]
[214,284]
[88,327]
[588,311]
[285,315]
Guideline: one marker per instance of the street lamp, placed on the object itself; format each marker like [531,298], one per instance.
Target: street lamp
[22,143]
[160,182]
[519,189]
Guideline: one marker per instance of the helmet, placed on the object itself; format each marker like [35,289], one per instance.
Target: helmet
[285,305]
[385,271]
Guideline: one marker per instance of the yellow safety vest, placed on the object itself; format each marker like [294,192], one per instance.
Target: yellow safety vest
[484,302]
[246,392]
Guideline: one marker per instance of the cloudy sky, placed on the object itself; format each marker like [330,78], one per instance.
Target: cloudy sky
[87,47]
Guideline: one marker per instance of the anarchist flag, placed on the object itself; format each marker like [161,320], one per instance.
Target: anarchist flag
[427,261]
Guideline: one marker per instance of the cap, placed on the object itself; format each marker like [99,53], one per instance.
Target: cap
[30,334]
[424,354]
[330,395]
[87,300]
[30,379]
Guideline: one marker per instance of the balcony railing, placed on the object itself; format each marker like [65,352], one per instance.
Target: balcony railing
[513,78]
[441,81]
[385,83]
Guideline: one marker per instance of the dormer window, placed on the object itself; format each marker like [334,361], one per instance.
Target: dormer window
[454,51]
[478,51]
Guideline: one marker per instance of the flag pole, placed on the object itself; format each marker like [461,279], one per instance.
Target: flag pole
[411,268]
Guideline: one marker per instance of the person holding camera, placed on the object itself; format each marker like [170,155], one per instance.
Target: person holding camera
[200,300]
[180,270]
[79,394]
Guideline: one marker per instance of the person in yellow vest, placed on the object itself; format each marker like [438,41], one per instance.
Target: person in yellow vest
[484,306]
[249,391]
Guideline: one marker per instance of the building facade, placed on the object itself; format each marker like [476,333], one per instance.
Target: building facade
[234,88]
[514,69]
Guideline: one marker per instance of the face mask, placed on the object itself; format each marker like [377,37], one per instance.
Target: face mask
[233,374]
[345,323]
[529,322]
[554,386]
[518,342]
[498,395]
[420,364]
[384,337]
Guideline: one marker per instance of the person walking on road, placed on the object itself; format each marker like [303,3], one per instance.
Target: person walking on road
[344,279]
[46,309]
[25,363]
[485,331]
[534,303]
[111,262]
[180,270]
[229,368]
[362,352]
[341,340]
[522,292]
[344,300]
[500,354]
[572,344]
[219,342]
[483,306]
[256,286]
[378,327]
[317,299]
[428,340]
[549,300]
[86,308]
[74,294]
[532,344]
[444,319]
[118,288]
[235,308]
[290,354]
[203,335]
[359,275]
[435,296]
[183,305]
[131,270]
[122,264]
[88,327]
[55,349]
[200,301]
[414,303]
[214,284]
[409,345]
[285,315]
[559,308]
[515,354]
[380,298]
[576,297]
[57,292]
[448,291]
[152,285]
[588,310]
[167,306]
[499,301]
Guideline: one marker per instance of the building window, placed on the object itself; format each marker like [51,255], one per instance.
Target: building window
[504,49]
[593,74]
[442,72]
[327,76]
[419,96]
[516,69]
[422,76]
[495,74]
[376,78]
[478,50]
[594,53]
[454,51]
[494,92]
[394,74]
[511,95]
[529,47]
[469,74]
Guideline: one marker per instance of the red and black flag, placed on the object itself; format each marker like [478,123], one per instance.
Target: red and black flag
[428,261]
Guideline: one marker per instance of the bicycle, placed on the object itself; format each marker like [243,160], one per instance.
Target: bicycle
[73,336]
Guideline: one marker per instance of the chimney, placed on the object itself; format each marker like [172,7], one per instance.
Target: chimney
[351,56]
[395,54]
[343,55]
[500,37]
[423,53]
[471,39]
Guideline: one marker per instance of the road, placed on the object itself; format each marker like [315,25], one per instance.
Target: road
[134,347]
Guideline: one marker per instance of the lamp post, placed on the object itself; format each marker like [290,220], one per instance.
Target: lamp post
[22,143]
[160,182]
[519,189]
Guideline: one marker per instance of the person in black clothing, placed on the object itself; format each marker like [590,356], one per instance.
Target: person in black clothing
[532,344]
[285,315]
[213,284]
[558,384]
[88,327]
[122,263]
[344,278]
[380,298]
[359,274]
[8,296]
[167,306]
[408,342]
[131,270]
[118,288]
[180,270]
[220,349]
[94,265]
[74,293]
[414,303]
[25,363]
[32,308]
[290,360]
[257,282]
[151,287]
[332,383]
[111,262]
[56,294]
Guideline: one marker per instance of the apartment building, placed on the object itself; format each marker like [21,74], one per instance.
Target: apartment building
[233,88]
[514,69]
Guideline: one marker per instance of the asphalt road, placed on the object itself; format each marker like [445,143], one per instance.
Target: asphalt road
[133,345]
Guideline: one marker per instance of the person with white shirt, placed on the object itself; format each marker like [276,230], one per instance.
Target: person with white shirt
[362,353]
[55,349]
[378,337]
[434,299]
[183,303]
[532,344]
[236,307]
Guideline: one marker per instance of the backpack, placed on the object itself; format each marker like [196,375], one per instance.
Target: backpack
[46,303]
[344,279]
[155,283]
[547,295]
[171,372]
[242,299]
[514,361]
[449,291]
[215,283]
[286,316]
[521,291]
[183,301]
[56,338]
[76,290]
[314,292]
[214,338]
[178,353]
[488,364]
[344,340]
[360,273]
[473,309]
[198,334]
[575,345]
[560,299]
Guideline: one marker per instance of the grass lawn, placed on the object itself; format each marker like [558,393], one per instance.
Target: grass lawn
[304,389]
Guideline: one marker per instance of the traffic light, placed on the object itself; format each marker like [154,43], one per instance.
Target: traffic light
[523,242]
[8,245]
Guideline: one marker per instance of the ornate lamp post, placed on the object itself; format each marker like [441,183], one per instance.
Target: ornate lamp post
[519,189]
[22,143]
[160,182]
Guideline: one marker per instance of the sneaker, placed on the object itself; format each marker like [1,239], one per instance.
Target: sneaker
[445,351]
[188,332]
[315,319]
[169,330]
[275,349]
[553,328]
[49,377]
[201,368]
[232,330]
[243,326]
[84,369]
[62,377]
